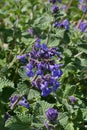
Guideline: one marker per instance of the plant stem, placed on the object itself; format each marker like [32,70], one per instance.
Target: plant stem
[78,54]
[68,6]
[48,36]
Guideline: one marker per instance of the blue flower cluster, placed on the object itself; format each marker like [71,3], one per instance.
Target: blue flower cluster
[55,11]
[64,23]
[43,69]
[14,100]
[82,5]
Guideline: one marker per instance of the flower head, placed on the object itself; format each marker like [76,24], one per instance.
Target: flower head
[42,68]
[65,24]
[30,31]
[83,26]
[24,102]
[56,24]
[82,5]
[22,58]
[15,100]
[55,8]
[52,114]
[72,99]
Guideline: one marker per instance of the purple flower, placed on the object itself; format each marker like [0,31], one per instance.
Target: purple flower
[56,73]
[82,1]
[82,7]
[44,47]
[14,100]
[56,86]
[72,99]
[65,24]
[29,66]
[46,91]
[83,26]
[55,8]
[43,68]
[37,44]
[22,58]
[30,31]
[64,7]
[56,24]
[24,102]
[37,82]
[39,72]
[52,114]
[30,73]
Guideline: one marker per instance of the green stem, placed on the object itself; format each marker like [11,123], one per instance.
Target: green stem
[48,36]
[68,6]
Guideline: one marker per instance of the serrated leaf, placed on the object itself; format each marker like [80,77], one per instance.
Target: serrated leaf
[69,90]
[41,107]
[84,113]
[22,88]
[70,126]
[23,75]
[19,122]
[83,48]
[33,94]
[63,119]
[5,83]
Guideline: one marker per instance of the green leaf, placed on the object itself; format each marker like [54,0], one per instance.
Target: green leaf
[22,89]
[70,126]
[5,83]
[69,90]
[19,122]
[22,74]
[63,119]
[41,107]
[83,48]
[33,94]
[84,113]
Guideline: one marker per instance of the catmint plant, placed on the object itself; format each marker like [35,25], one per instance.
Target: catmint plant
[43,69]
